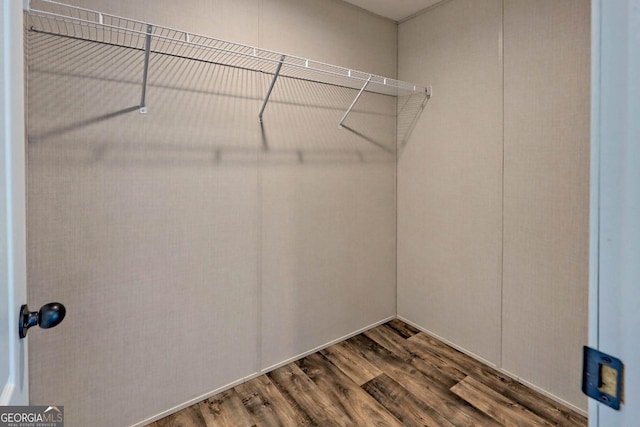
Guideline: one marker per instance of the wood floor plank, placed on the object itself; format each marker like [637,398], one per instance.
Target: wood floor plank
[188,417]
[432,366]
[303,393]
[267,406]
[352,364]
[393,342]
[417,379]
[454,357]
[538,404]
[401,328]
[402,404]
[498,407]
[357,404]
[440,399]
[225,410]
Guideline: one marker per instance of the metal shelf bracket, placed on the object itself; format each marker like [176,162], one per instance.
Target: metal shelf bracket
[344,117]
[428,92]
[147,51]
[273,83]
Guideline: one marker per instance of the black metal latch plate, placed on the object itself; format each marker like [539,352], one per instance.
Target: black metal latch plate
[602,377]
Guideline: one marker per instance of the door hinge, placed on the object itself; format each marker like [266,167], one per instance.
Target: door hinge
[602,377]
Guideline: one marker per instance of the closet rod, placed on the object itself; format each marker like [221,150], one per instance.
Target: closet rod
[58,18]
[53,17]
[186,57]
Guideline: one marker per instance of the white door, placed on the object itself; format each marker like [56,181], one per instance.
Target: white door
[615,206]
[13,351]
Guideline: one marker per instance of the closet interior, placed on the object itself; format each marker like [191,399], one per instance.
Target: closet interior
[210,210]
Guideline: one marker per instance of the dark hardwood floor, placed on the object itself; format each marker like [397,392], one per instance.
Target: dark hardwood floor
[392,375]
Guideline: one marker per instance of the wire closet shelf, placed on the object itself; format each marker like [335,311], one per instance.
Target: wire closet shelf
[57,18]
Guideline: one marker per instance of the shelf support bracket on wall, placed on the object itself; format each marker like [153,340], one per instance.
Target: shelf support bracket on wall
[344,117]
[147,51]
[273,83]
[427,96]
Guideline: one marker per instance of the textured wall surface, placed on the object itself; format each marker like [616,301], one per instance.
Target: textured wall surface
[450,176]
[493,193]
[546,207]
[191,246]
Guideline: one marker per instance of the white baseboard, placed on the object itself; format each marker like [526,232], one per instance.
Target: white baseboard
[257,374]
[323,346]
[501,370]
[194,401]
[343,338]
[449,343]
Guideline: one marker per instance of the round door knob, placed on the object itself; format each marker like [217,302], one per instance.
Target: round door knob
[49,316]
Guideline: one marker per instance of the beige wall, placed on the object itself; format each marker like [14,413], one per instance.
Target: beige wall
[546,193]
[450,177]
[188,256]
[493,226]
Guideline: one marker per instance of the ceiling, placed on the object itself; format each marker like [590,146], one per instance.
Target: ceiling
[394,9]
